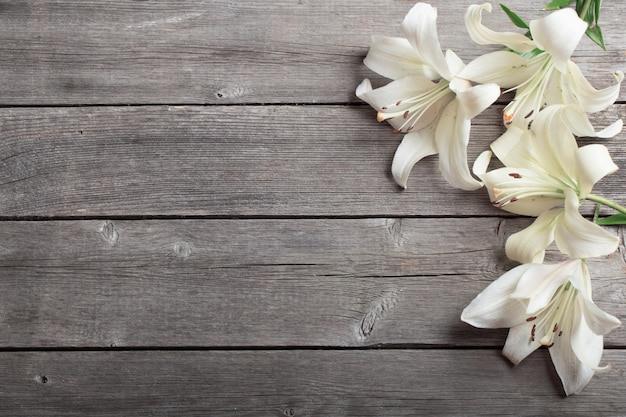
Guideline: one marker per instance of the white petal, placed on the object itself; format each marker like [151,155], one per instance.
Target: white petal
[505,147]
[540,282]
[579,124]
[493,308]
[396,58]
[420,28]
[599,322]
[529,245]
[452,136]
[504,68]
[609,131]
[590,99]
[479,168]
[395,91]
[554,147]
[476,99]
[455,64]
[519,343]
[558,34]
[364,88]
[485,36]
[577,339]
[414,146]
[579,238]
[594,163]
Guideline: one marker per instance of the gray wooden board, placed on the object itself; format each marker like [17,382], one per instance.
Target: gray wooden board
[230,161]
[307,283]
[316,282]
[306,383]
[218,51]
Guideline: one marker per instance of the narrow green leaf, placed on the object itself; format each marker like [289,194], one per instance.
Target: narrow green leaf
[595,34]
[615,219]
[517,21]
[579,5]
[596,9]
[558,4]
[531,54]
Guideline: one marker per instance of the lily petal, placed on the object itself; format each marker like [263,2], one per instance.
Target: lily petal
[549,35]
[414,146]
[541,281]
[420,28]
[505,68]
[505,147]
[455,64]
[574,373]
[479,168]
[590,99]
[476,99]
[519,344]
[578,237]
[554,147]
[594,163]
[452,136]
[529,245]
[395,58]
[598,321]
[579,124]
[485,36]
[493,308]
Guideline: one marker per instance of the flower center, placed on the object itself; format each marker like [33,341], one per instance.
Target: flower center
[413,110]
[519,187]
[530,95]
[556,317]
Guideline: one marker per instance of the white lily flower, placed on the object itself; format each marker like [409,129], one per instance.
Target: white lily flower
[549,305]
[425,100]
[545,168]
[548,78]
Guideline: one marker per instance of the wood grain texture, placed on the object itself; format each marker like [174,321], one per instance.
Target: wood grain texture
[231,161]
[218,51]
[317,282]
[302,383]
[232,242]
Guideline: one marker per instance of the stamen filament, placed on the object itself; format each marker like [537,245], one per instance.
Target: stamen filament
[413,108]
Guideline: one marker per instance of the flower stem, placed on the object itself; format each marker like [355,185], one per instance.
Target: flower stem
[606,202]
[585,8]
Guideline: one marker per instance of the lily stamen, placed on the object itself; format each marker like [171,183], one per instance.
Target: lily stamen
[412,109]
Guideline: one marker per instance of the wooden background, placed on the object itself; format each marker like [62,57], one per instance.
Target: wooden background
[197,218]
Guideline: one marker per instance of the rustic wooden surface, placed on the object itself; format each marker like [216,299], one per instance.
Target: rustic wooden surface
[197,218]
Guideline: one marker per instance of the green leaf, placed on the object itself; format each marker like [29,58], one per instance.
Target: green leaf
[615,219]
[558,4]
[595,34]
[517,21]
[530,54]
[579,6]
[597,5]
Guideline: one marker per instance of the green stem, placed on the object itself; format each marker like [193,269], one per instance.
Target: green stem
[585,8]
[606,202]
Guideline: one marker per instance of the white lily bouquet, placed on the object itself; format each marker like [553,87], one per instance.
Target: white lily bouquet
[432,99]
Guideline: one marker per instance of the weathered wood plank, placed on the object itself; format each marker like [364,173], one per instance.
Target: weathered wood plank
[210,51]
[298,383]
[221,283]
[229,161]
